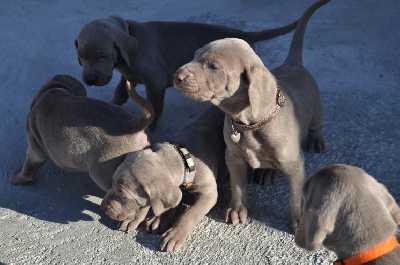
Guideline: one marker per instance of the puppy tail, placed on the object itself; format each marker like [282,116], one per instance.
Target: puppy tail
[148,110]
[295,55]
[268,34]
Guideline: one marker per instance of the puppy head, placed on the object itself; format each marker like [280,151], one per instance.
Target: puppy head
[103,45]
[227,73]
[137,183]
[66,82]
[345,209]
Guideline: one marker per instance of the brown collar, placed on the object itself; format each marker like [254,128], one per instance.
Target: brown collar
[280,102]
[370,254]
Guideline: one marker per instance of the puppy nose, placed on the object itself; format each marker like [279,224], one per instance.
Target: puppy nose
[180,75]
[89,78]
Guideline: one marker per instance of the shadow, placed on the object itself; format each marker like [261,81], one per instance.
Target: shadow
[56,196]
[266,206]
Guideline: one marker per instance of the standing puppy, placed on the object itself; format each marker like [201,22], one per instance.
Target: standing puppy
[267,113]
[148,53]
[350,213]
[79,133]
[193,159]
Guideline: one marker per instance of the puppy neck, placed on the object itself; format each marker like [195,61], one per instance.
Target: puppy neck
[173,159]
[243,122]
[190,169]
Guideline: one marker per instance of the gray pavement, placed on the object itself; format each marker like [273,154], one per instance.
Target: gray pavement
[352,49]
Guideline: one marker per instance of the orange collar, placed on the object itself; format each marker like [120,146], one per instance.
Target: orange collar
[370,254]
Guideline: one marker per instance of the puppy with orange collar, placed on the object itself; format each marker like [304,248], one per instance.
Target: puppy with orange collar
[350,213]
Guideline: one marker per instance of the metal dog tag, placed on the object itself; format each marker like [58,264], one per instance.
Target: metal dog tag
[235,136]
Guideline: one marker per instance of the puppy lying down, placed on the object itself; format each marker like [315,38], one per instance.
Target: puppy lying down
[350,213]
[79,133]
[193,158]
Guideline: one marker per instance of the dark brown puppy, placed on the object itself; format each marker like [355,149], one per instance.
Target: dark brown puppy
[350,213]
[268,112]
[151,178]
[79,133]
[148,53]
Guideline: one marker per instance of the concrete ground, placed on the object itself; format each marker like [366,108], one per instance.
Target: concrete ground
[351,48]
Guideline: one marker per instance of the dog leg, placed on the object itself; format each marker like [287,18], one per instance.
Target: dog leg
[160,224]
[237,208]
[315,140]
[131,224]
[32,164]
[295,172]
[176,236]
[120,93]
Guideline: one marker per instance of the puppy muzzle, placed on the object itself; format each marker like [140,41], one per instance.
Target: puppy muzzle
[184,81]
[96,78]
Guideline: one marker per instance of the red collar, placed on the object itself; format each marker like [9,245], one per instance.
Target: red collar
[370,254]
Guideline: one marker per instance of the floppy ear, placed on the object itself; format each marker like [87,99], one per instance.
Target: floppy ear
[392,206]
[316,228]
[126,47]
[163,196]
[261,85]
[317,221]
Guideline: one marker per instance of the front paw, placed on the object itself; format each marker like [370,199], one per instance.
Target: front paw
[295,222]
[160,224]
[173,239]
[236,215]
[130,224]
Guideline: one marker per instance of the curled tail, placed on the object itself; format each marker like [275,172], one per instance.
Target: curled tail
[148,111]
[295,55]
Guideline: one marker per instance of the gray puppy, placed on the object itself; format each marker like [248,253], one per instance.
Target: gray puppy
[148,53]
[79,133]
[267,112]
[350,213]
[152,178]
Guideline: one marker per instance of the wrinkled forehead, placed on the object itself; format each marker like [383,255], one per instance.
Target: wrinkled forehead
[230,51]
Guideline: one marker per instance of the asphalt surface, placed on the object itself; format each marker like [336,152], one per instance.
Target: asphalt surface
[351,48]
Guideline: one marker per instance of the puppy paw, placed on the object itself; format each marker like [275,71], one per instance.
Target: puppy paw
[295,223]
[160,224]
[262,176]
[129,225]
[315,141]
[236,215]
[17,178]
[173,239]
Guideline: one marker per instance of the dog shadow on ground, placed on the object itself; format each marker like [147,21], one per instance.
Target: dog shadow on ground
[63,197]
[57,196]
[268,205]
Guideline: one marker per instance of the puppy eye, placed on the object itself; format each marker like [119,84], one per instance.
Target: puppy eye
[102,55]
[213,66]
